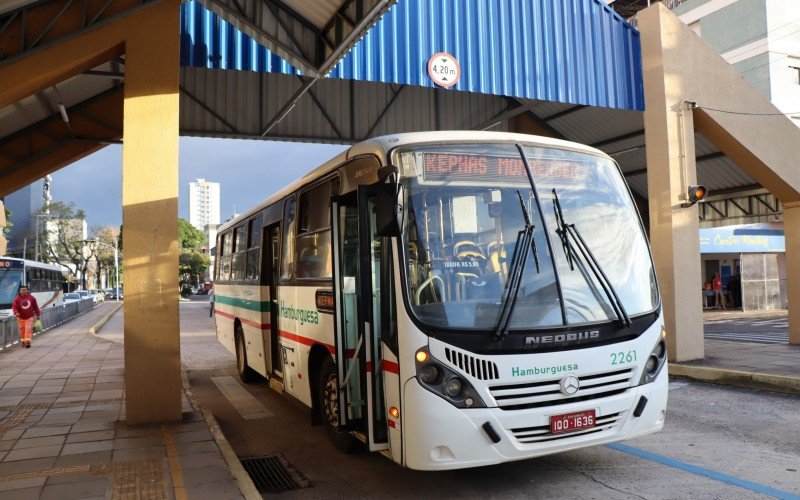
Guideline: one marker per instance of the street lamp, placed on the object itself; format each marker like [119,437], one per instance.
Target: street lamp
[116,260]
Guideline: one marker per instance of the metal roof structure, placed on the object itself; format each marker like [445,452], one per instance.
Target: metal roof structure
[341,71]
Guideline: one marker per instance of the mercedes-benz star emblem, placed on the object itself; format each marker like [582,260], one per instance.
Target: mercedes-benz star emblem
[570,384]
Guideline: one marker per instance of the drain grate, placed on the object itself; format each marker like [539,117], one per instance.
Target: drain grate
[274,474]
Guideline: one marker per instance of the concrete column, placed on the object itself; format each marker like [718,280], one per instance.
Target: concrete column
[674,230]
[150,218]
[791,226]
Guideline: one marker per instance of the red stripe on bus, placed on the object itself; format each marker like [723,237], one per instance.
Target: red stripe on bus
[368,366]
[260,326]
[390,366]
[305,340]
[392,424]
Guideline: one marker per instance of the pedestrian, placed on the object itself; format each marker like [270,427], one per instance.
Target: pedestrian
[25,308]
[211,300]
[716,283]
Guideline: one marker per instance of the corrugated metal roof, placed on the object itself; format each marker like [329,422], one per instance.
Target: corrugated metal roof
[575,51]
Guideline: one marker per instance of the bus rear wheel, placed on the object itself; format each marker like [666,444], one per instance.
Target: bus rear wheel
[328,388]
[246,374]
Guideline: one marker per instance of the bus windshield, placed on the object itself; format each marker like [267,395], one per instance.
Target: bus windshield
[463,218]
[9,286]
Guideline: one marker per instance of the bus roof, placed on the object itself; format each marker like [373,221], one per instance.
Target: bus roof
[382,145]
[33,263]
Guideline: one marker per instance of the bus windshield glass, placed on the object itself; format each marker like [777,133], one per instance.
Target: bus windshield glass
[463,217]
[9,286]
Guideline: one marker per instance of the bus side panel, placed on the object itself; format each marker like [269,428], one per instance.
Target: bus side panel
[223,319]
[301,327]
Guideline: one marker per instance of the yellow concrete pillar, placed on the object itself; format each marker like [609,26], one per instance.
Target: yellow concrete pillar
[791,225]
[674,230]
[3,222]
[150,218]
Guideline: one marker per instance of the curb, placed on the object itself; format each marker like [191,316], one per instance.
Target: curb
[97,326]
[736,378]
[246,486]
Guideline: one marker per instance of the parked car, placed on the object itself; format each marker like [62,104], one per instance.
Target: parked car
[97,295]
[72,297]
[84,294]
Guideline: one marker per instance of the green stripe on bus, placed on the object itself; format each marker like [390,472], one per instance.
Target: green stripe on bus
[253,305]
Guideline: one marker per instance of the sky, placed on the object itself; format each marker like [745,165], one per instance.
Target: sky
[249,171]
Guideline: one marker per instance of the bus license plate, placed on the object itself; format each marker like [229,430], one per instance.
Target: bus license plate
[570,422]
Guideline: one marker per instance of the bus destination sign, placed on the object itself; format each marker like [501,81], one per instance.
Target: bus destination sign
[455,167]
[11,265]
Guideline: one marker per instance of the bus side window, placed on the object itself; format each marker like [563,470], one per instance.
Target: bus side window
[253,267]
[239,256]
[287,255]
[314,234]
[225,257]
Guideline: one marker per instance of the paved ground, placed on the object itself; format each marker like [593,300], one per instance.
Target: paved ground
[63,436]
[761,330]
[692,458]
[775,359]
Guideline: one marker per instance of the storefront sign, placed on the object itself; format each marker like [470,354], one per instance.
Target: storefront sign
[747,238]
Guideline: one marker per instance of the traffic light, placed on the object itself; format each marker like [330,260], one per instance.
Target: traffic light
[696,193]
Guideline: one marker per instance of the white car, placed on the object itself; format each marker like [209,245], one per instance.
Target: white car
[97,295]
[72,297]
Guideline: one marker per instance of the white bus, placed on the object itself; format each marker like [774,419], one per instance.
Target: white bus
[452,299]
[44,281]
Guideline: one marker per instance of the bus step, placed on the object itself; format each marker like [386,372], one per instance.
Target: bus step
[276,385]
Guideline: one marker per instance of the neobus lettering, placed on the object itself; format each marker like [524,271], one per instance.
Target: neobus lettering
[562,337]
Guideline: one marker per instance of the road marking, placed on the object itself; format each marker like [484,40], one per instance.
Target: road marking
[763,338]
[702,471]
[245,403]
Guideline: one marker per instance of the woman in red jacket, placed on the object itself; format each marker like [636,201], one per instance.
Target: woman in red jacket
[25,308]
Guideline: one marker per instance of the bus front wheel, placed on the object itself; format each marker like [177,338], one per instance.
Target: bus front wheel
[329,408]
[246,373]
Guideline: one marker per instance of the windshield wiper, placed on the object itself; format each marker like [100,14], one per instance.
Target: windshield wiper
[569,233]
[525,238]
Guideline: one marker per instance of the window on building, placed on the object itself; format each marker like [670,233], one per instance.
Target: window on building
[795,74]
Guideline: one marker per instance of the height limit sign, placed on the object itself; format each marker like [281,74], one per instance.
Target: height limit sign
[443,69]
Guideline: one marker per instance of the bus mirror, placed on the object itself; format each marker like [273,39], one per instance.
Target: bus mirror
[389,209]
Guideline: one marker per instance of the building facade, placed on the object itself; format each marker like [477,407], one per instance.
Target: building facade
[759,38]
[24,205]
[203,203]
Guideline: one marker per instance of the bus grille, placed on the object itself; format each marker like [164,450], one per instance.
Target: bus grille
[481,369]
[541,434]
[548,393]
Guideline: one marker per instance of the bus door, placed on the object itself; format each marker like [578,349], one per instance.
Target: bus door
[272,245]
[357,300]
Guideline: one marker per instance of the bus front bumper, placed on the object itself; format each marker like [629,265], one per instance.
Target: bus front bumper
[441,436]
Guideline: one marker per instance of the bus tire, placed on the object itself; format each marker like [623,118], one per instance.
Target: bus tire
[246,374]
[329,408]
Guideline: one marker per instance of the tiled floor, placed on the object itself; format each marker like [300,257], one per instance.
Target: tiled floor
[63,435]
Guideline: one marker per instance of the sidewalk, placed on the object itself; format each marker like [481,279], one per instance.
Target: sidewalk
[717,315]
[772,367]
[63,435]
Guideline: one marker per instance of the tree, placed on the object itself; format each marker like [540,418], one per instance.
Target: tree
[189,236]
[7,229]
[193,261]
[104,253]
[63,240]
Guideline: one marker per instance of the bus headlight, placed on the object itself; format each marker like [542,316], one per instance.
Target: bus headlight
[445,383]
[429,373]
[453,387]
[656,360]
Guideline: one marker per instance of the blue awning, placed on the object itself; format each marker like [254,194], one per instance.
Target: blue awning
[745,238]
[570,51]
